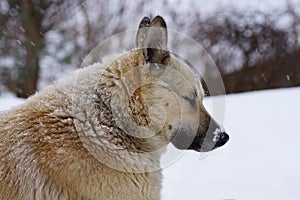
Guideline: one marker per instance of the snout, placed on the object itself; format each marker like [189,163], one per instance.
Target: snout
[206,139]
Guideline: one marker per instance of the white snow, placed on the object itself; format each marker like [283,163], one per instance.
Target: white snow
[259,162]
[8,101]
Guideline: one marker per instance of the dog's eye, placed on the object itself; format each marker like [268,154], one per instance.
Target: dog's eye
[191,100]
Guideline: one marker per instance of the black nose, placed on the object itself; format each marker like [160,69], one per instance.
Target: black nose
[223,138]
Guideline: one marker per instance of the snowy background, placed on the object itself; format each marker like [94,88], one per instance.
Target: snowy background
[260,162]
[239,35]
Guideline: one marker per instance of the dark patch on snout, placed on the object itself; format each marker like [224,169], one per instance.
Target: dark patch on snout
[196,144]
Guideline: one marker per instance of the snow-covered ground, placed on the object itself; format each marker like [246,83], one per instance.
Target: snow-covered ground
[260,162]
[8,101]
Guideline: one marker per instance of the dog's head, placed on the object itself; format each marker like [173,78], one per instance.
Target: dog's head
[157,95]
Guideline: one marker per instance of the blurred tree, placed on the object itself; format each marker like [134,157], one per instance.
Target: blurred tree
[251,49]
[62,31]
[24,24]
[45,38]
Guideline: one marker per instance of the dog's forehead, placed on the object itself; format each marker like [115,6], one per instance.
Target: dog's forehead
[188,74]
[176,74]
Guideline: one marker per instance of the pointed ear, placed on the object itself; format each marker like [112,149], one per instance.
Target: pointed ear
[152,37]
